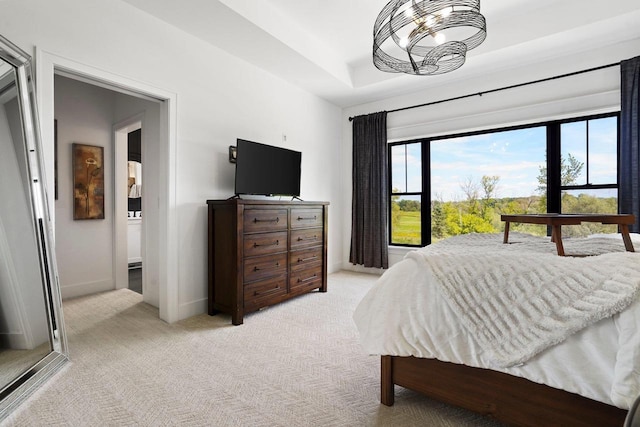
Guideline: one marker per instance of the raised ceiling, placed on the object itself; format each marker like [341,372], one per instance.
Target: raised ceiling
[324,46]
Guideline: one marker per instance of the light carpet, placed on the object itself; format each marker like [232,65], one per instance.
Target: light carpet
[294,364]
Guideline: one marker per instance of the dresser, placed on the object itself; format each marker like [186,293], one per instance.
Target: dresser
[263,252]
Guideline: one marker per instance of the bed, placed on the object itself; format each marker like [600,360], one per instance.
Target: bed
[512,331]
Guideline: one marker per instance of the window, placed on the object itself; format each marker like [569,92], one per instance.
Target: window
[406,194]
[589,152]
[445,186]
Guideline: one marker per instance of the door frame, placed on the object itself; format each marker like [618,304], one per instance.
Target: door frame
[47,65]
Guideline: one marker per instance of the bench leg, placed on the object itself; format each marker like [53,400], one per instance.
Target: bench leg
[556,236]
[506,232]
[628,244]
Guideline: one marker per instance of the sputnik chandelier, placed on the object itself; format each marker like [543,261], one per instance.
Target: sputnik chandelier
[426,37]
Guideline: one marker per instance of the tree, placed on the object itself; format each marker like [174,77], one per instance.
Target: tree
[409,205]
[438,218]
[395,209]
[570,169]
[471,190]
[489,186]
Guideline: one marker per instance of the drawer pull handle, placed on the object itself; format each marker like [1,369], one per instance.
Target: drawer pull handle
[302,239]
[307,259]
[309,218]
[258,269]
[270,291]
[266,220]
[307,279]
[276,243]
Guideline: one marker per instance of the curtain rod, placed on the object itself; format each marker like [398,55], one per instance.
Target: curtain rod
[455,98]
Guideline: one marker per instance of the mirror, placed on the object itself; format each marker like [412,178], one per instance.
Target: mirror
[135,179]
[134,167]
[32,341]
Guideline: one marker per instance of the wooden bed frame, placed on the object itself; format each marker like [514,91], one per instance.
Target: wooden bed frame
[507,398]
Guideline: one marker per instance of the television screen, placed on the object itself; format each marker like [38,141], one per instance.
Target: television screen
[267,170]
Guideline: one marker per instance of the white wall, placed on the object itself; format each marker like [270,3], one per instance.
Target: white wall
[589,93]
[220,98]
[84,248]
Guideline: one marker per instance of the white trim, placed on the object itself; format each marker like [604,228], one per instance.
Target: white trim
[193,308]
[169,296]
[47,64]
[81,289]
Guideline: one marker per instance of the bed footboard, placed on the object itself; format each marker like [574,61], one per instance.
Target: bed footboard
[513,400]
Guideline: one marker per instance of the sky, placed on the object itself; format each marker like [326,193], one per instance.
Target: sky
[514,156]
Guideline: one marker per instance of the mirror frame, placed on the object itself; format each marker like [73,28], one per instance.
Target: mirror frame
[13,394]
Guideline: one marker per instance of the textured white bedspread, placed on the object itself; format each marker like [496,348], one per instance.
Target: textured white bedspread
[407,314]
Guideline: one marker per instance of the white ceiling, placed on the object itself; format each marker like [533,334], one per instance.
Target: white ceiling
[325,46]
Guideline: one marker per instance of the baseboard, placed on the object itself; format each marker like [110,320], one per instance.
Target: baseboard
[334,268]
[192,308]
[82,289]
[361,269]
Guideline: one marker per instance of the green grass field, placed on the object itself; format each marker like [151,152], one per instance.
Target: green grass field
[407,229]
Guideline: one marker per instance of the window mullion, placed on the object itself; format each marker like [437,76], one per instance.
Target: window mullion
[425,202]
[587,152]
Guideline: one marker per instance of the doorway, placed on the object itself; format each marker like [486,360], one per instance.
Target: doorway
[160,239]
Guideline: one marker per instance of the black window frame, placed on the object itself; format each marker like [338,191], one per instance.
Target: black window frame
[554,187]
[425,215]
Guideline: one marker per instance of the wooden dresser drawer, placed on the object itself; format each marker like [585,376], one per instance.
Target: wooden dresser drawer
[305,258]
[265,243]
[306,237]
[309,217]
[256,220]
[303,280]
[264,266]
[265,292]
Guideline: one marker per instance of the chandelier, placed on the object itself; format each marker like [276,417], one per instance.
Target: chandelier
[426,37]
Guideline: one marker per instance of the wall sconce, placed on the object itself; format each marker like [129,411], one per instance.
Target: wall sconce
[232,154]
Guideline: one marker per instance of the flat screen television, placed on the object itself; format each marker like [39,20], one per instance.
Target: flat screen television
[267,170]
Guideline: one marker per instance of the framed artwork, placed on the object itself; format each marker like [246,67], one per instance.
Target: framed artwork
[88,181]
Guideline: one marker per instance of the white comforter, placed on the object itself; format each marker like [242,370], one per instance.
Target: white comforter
[408,314]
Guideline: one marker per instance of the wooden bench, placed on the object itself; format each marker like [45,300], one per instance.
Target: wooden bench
[556,221]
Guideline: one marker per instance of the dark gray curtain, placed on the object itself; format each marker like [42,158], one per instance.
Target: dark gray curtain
[629,197]
[370,203]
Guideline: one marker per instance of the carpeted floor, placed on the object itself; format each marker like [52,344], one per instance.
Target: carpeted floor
[295,364]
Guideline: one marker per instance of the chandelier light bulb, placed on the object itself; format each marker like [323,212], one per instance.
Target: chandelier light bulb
[440,38]
[430,20]
[408,12]
[403,42]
